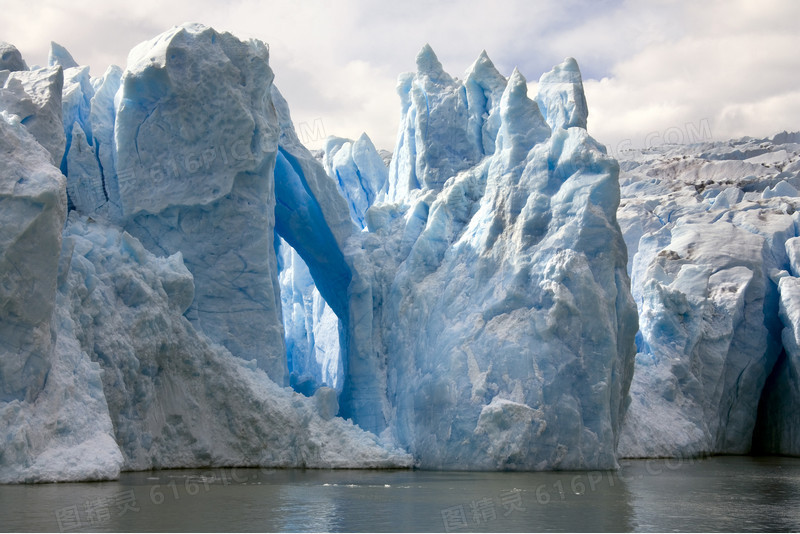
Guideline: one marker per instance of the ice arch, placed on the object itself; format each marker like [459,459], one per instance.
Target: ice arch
[300,221]
[313,217]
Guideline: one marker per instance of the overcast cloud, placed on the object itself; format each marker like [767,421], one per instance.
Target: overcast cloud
[653,71]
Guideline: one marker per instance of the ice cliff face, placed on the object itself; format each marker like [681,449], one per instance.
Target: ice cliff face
[55,425]
[711,233]
[500,297]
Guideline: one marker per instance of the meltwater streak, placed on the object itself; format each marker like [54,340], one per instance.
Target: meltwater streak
[718,494]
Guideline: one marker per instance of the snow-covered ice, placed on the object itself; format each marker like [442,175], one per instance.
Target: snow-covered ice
[11,58]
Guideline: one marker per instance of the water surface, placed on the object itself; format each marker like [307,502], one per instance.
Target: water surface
[717,494]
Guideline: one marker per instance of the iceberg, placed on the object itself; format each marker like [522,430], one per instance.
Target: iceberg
[117,377]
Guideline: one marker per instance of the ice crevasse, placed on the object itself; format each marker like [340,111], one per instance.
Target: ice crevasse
[470,306]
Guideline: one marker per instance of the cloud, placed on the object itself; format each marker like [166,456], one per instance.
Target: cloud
[648,66]
[731,70]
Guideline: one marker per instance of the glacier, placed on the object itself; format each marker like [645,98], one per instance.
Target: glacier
[711,232]
[185,284]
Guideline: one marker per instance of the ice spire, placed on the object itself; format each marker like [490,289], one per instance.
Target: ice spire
[561,96]
[60,56]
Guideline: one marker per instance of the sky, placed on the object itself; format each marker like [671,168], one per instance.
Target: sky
[654,71]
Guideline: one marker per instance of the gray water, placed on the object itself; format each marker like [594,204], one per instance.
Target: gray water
[717,494]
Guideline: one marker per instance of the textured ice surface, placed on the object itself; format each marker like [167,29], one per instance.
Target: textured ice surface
[35,96]
[76,102]
[85,181]
[358,170]
[436,106]
[709,228]
[34,207]
[10,58]
[176,398]
[102,117]
[560,96]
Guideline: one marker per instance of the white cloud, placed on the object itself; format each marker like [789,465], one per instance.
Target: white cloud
[732,70]
[649,66]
